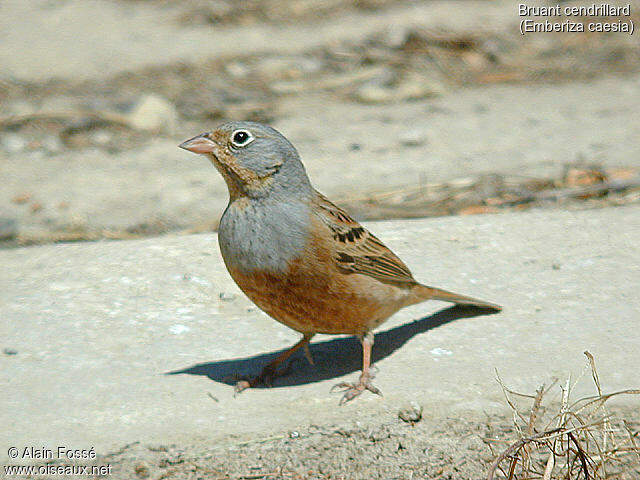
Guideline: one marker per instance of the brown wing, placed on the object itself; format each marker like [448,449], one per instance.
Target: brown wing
[357,249]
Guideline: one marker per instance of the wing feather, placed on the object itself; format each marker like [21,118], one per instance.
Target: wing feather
[357,249]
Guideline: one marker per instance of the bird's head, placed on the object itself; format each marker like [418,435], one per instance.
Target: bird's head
[254,159]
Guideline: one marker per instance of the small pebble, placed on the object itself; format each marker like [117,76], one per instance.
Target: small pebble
[153,112]
[412,413]
[238,69]
[102,137]
[374,94]
[142,470]
[22,197]
[414,86]
[395,36]
[13,143]
[413,137]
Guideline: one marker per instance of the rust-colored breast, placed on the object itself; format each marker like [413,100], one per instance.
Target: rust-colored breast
[315,296]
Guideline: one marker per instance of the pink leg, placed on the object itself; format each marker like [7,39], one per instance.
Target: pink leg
[352,390]
[270,371]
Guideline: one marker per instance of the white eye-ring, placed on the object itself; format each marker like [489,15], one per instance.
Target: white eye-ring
[242,138]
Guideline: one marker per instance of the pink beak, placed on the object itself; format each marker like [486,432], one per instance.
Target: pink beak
[199,144]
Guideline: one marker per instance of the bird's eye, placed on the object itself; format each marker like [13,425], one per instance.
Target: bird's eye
[241,138]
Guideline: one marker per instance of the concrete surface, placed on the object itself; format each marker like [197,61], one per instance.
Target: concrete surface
[113,342]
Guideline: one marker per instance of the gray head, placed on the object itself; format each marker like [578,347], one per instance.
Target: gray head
[254,159]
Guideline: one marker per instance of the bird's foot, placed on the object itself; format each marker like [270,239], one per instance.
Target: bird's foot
[352,390]
[266,377]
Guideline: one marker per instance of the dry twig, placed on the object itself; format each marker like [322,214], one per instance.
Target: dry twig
[586,441]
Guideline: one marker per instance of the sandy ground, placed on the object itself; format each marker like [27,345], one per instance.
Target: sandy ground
[378,96]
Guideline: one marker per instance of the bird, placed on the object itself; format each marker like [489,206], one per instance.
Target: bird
[299,257]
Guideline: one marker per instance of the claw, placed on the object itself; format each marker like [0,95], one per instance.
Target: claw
[352,390]
[340,385]
[266,377]
[240,386]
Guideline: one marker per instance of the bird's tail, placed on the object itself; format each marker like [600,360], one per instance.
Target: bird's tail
[421,293]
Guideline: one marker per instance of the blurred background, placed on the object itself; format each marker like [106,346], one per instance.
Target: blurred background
[398,108]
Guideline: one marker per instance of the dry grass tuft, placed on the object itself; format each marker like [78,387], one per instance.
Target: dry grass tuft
[578,440]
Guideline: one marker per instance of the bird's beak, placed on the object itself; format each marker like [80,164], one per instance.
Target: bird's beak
[199,144]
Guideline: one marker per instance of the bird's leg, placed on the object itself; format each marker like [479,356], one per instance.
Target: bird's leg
[352,390]
[270,371]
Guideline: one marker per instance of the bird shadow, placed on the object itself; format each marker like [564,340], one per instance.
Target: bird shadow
[332,358]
